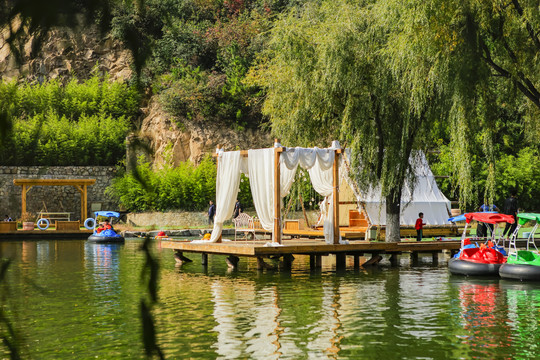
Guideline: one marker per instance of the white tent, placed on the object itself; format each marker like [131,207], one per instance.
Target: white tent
[424,197]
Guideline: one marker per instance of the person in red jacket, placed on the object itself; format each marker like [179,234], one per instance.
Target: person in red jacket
[419,226]
[104,226]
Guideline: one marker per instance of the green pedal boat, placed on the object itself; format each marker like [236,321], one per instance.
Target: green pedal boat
[523,264]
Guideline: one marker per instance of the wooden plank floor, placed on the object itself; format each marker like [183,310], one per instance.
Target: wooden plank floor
[306,246]
[359,233]
[45,234]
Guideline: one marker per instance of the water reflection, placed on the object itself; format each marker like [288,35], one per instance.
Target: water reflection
[103,265]
[484,317]
[251,320]
[523,301]
[92,292]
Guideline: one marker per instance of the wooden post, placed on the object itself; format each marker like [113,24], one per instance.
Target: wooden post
[312,264]
[435,257]
[204,259]
[318,261]
[336,195]
[356,261]
[277,194]
[287,261]
[217,173]
[414,258]
[23,199]
[341,261]
[84,204]
[394,261]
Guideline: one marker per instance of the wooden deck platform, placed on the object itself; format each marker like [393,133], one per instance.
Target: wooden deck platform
[359,233]
[315,249]
[307,247]
[45,234]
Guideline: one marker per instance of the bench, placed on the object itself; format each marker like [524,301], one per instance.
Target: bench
[244,223]
[67,225]
[7,226]
[63,216]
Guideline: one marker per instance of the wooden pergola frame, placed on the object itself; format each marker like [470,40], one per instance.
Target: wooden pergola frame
[80,184]
[277,196]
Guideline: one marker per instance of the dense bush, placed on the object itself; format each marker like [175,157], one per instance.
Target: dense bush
[186,187]
[513,172]
[76,124]
[200,55]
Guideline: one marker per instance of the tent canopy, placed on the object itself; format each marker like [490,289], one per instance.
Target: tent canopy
[423,196]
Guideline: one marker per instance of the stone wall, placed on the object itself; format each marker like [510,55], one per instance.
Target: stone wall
[173,219]
[186,219]
[55,198]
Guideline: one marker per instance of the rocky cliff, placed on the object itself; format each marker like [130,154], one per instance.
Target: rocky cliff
[162,135]
[66,54]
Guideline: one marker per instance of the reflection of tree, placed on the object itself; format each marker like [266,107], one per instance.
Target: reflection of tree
[523,308]
[392,313]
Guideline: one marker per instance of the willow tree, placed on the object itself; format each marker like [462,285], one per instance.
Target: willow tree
[341,70]
[485,54]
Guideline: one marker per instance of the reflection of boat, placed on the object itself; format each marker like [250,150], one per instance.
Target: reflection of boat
[483,307]
[484,259]
[523,264]
[107,235]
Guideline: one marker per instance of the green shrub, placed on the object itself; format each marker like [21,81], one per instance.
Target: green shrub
[186,187]
[76,124]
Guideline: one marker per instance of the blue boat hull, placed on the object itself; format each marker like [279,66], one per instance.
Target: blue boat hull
[106,239]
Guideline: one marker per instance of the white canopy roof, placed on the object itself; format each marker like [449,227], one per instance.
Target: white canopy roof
[424,196]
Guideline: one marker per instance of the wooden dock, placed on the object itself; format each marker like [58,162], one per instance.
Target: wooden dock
[315,249]
[45,234]
[312,247]
[356,233]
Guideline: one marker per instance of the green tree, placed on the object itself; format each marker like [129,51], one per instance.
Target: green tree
[485,56]
[333,72]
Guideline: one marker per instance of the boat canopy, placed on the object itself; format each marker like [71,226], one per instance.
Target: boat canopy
[462,216]
[525,217]
[107,213]
[489,218]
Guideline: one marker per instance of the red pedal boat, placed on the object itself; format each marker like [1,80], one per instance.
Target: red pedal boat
[484,259]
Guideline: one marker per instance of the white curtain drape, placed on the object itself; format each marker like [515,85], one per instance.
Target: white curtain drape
[318,163]
[261,181]
[260,165]
[230,166]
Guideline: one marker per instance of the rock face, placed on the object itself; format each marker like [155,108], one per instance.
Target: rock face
[66,53]
[163,136]
[80,53]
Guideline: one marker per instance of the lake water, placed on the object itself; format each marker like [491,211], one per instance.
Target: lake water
[73,300]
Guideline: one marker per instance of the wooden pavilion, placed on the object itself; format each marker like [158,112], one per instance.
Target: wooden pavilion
[278,228]
[80,184]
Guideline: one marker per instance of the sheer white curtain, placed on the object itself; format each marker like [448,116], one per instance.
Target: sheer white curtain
[261,181]
[230,166]
[260,165]
[318,163]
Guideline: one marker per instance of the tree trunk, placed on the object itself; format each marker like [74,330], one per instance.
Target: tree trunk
[393,207]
